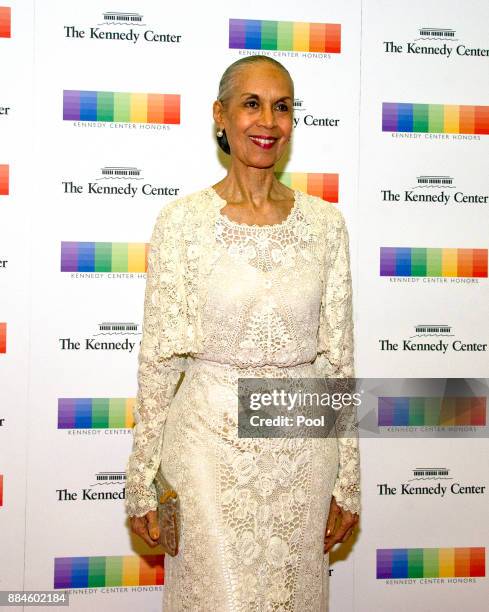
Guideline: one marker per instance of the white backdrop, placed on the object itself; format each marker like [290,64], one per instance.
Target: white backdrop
[61,498]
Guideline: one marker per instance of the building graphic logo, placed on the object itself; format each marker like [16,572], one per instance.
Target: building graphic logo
[431,473]
[109,106]
[93,572]
[109,478]
[436,34]
[428,261]
[118,329]
[4,179]
[432,330]
[95,413]
[121,172]
[434,181]
[104,256]
[431,411]
[284,36]
[435,118]
[5,22]
[324,186]
[3,337]
[431,562]
[111,17]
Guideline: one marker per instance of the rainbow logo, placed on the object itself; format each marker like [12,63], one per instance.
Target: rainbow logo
[426,411]
[95,413]
[93,572]
[4,179]
[104,256]
[323,186]
[5,20]
[3,337]
[1,490]
[285,35]
[431,562]
[435,118]
[411,261]
[120,107]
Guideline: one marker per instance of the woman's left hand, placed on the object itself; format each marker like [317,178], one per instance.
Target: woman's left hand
[338,530]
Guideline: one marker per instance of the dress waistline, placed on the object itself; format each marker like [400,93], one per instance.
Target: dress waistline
[301,369]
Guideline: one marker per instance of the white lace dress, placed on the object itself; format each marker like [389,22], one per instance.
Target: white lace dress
[253,510]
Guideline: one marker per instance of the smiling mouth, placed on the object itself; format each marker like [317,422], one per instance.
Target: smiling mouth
[265,142]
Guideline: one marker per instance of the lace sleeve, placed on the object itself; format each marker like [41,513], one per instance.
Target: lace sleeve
[157,381]
[335,357]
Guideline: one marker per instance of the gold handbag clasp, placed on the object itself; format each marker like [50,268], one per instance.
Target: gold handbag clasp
[169,494]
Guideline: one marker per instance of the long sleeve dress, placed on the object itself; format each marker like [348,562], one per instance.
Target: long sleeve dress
[261,301]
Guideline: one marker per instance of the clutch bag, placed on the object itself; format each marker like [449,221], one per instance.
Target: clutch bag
[168,515]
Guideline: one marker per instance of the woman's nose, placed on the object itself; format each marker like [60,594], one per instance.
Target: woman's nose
[267,117]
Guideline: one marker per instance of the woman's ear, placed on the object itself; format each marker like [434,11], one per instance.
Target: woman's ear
[217,111]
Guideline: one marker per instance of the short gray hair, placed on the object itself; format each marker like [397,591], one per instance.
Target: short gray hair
[227,80]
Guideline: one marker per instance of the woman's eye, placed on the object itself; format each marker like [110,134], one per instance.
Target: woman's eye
[251,103]
[282,107]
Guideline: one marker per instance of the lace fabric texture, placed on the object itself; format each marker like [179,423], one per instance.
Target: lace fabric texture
[277,303]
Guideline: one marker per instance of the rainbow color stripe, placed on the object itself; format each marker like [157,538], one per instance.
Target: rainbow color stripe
[413,261]
[3,337]
[5,22]
[431,562]
[1,490]
[120,107]
[104,256]
[95,413]
[4,179]
[426,411]
[323,186]
[285,35]
[93,572]
[435,118]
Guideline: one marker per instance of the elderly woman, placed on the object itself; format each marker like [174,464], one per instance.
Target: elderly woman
[246,278]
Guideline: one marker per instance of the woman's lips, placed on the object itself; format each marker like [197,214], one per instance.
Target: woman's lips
[265,142]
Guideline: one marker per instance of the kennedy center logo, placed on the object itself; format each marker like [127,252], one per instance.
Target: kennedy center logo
[433,262]
[447,119]
[408,563]
[104,257]
[92,572]
[289,38]
[111,107]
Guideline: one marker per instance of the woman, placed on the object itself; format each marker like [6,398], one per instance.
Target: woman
[245,279]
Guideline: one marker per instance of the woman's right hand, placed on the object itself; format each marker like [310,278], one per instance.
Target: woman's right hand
[146,527]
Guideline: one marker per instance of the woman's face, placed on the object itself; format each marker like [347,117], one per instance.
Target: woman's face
[257,116]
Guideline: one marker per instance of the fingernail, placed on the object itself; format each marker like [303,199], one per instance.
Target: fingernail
[328,532]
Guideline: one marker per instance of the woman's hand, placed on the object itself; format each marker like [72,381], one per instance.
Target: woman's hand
[338,532]
[146,527]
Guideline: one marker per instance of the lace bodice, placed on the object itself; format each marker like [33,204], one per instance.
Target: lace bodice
[264,295]
[276,295]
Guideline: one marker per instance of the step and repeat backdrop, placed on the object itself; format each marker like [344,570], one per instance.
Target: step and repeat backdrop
[105,117]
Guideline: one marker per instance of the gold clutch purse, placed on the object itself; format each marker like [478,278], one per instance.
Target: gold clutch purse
[168,515]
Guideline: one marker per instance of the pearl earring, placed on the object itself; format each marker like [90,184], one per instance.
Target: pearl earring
[220,133]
